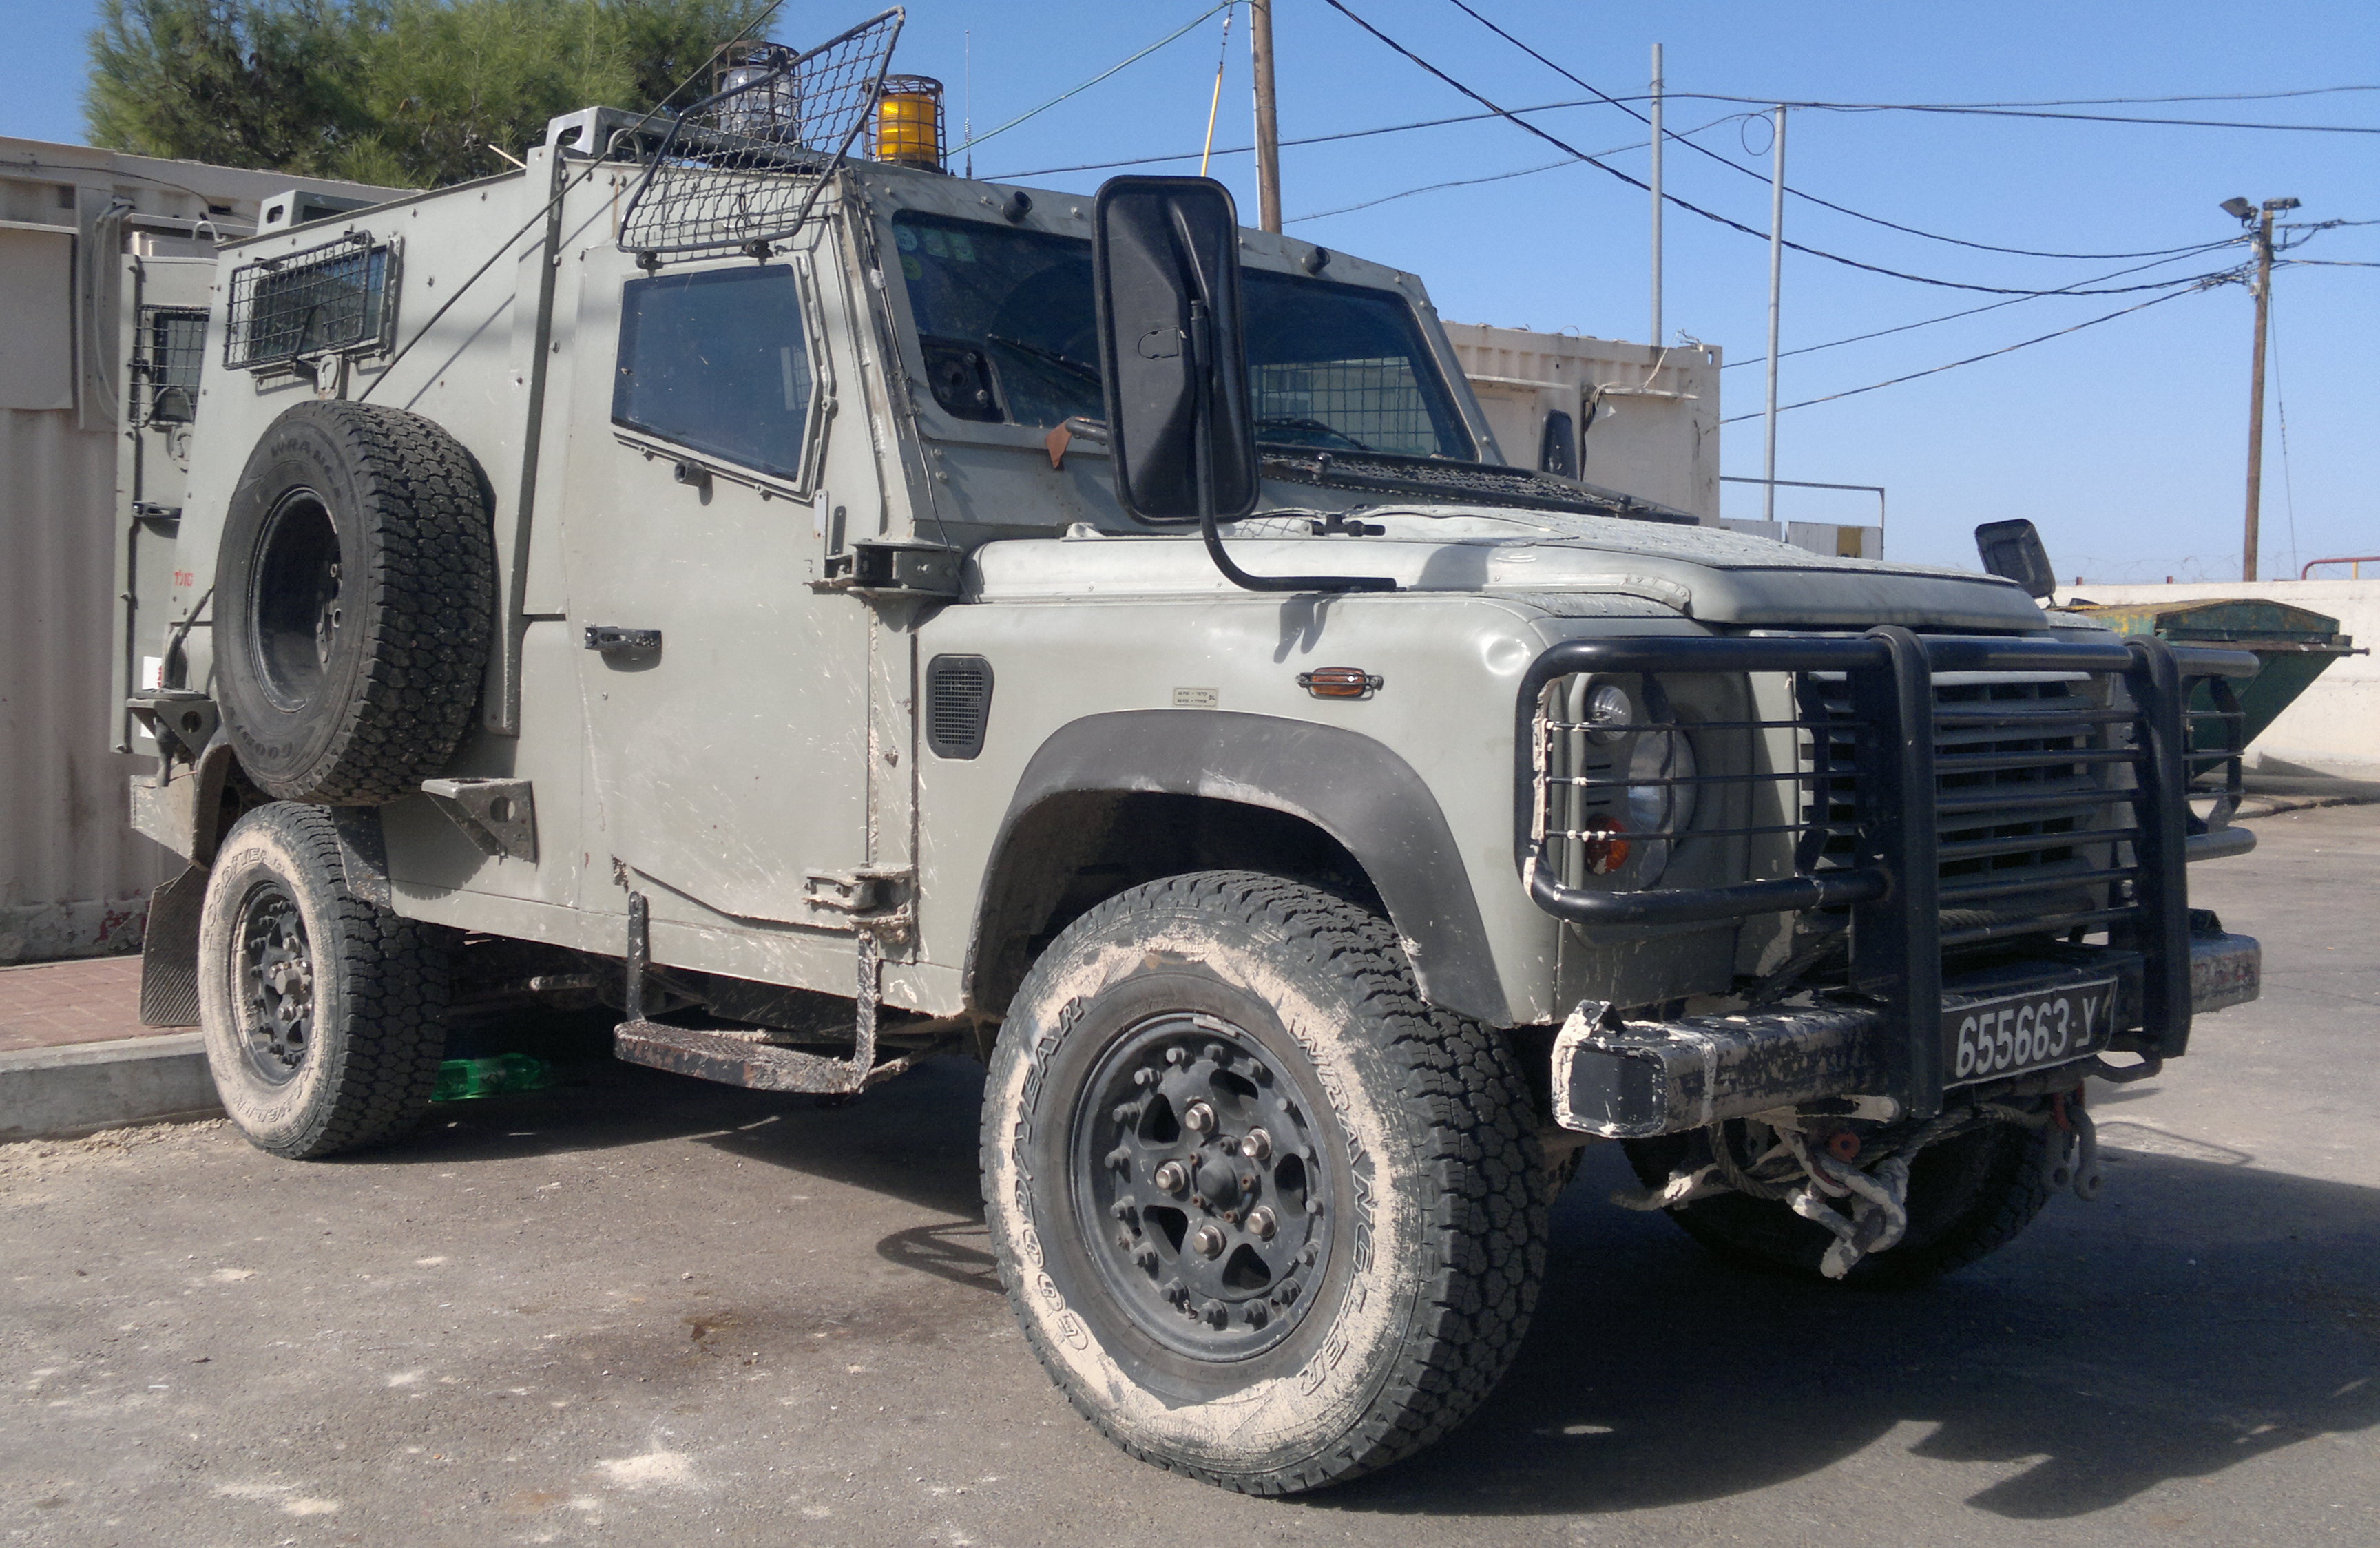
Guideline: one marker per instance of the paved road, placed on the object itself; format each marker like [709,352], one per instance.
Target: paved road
[661,1313]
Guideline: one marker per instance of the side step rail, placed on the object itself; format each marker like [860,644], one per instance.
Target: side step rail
[738,1057]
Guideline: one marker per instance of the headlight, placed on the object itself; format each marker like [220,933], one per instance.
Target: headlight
[1640,793]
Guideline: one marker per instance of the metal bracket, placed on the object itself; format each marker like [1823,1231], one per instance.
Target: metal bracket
[855,891]
[179,718]
[737,1058]
[500,816]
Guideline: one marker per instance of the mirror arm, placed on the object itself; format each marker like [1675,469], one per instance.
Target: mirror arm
[1202,355]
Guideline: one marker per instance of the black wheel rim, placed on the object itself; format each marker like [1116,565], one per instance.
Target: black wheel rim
[275,994]
[1198,1184]
[295,609]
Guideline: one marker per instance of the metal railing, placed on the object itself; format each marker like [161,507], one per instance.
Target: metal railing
[2358,560]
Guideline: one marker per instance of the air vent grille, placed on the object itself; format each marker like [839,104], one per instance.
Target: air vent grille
[958,705]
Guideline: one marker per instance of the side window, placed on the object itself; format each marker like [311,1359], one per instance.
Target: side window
[716,361]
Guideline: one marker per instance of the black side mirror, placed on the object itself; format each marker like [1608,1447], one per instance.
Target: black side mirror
[1174,371]
[2012,550]
[1166,261]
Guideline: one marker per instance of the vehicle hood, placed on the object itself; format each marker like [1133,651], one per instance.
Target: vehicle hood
[1551,560]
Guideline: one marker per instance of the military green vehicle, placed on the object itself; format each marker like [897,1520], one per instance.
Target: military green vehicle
[841,614]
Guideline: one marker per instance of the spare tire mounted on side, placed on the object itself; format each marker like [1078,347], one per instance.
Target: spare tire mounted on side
[355,599]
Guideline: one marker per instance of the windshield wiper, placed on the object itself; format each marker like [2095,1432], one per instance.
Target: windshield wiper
[1296,422]
[1048,356]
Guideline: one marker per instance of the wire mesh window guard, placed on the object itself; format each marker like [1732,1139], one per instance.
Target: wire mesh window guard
[335,296]
[166,354]
[745,167]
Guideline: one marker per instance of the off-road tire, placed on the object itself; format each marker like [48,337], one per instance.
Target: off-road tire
[376,986]
[1430,1176]
[353,698]
[1969,1196]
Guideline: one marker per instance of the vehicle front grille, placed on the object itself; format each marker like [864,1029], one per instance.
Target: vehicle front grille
[2031,799]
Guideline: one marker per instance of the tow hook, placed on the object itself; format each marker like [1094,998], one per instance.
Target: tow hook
[2075,1162]
[1879,1203]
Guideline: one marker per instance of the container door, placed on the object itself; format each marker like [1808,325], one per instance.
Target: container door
[726,695]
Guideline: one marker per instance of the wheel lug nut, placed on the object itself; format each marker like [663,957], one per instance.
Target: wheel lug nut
[1172,1176]
[1120,1158]
[1255,1144]
[1198,1117]
[1121,1209]
[1208,1240]
[1261,1224]
[1143,1077]
[1256,1314]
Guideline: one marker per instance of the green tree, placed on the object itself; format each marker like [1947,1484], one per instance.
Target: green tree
[400,92]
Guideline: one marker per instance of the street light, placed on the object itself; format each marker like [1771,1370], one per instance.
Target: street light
[2239,209]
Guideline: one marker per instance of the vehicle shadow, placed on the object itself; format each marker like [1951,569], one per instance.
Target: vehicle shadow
[2203,1314]
[2200,1315]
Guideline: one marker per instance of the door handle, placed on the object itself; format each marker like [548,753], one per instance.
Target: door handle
[612,639]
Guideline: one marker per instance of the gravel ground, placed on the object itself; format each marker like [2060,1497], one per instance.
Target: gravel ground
[647,1310]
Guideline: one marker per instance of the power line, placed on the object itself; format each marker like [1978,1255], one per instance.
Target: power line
[1340,7]
[2030,112]
[1994,306]
[1989,354]
[1733,166]
[1181,31]
[1487,177]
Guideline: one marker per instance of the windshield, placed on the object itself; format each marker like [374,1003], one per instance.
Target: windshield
[1006,322]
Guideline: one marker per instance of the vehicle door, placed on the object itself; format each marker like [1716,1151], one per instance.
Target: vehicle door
[725,691]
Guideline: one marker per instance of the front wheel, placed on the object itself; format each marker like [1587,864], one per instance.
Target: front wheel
[1267,1218]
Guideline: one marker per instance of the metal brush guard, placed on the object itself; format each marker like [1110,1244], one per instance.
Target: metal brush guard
[743,168]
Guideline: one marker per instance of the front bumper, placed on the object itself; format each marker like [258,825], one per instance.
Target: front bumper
[1648,1078]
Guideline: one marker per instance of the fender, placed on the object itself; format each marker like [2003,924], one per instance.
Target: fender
[1348,785]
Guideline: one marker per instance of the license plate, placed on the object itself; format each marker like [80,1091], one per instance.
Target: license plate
[2009,1034]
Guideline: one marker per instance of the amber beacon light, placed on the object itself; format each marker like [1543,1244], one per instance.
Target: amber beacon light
[909,122]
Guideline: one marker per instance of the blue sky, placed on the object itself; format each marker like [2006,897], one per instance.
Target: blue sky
[2125,443]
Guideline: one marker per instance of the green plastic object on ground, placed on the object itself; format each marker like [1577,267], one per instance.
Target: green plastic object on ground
[460,1078]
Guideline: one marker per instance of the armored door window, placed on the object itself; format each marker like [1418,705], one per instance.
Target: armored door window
[716,362]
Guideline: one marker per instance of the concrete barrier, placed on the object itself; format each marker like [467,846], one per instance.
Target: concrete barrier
[58,1093]
[2334,727]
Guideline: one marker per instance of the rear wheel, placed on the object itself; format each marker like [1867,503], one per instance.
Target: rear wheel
[322,1011]
[1267,1218]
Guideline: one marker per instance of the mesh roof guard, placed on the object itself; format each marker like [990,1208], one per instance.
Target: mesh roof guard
[745,166]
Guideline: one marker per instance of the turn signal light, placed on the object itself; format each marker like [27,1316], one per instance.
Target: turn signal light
[1340,682]
[1606,847]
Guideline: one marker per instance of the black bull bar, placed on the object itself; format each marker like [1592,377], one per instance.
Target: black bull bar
[1880,1034]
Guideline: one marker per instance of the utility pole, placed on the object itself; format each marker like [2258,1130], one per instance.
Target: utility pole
[1656,338]
[1775,294]
[1268,124]
[2259,221]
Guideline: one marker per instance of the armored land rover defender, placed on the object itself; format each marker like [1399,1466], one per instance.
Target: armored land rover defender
[841,613]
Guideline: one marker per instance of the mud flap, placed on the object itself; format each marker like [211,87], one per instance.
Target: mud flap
[169,953]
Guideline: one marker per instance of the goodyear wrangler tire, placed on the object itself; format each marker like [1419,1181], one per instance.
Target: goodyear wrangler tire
[1268,1219]
[323,1012]
[354,599]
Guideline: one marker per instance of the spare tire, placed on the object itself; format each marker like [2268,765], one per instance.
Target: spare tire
[354,599]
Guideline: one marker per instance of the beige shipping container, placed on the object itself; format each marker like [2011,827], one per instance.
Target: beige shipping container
[1626,417]
[77,226]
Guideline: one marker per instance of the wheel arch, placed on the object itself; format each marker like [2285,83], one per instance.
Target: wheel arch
[1113,800]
